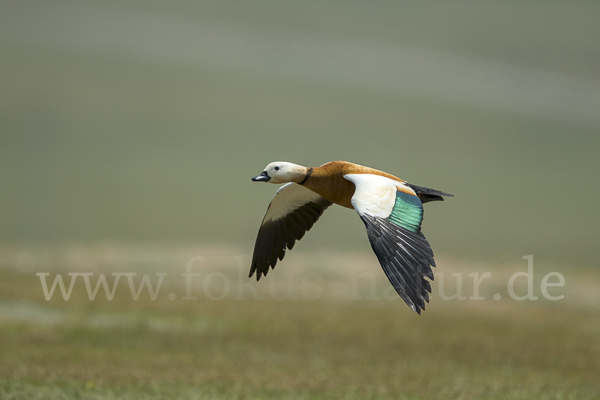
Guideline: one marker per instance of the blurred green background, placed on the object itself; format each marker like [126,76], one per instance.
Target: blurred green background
[144,120]
[129,132]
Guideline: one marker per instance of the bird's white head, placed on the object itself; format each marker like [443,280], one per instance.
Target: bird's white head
[282,172]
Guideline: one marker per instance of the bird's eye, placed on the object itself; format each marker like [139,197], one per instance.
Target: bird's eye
[276,168]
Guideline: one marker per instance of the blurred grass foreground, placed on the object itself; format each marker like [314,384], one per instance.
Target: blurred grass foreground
[128,135]
[322,325]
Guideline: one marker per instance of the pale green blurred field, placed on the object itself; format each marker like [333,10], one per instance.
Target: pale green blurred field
[146,121]
[128,136]
[304,332]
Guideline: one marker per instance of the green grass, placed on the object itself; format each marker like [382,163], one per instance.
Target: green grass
[257,349]
[329,347]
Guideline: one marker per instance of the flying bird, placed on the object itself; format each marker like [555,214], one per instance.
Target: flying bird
[391,209]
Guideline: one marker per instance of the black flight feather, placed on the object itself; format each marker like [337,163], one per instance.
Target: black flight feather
[406,259]
[275,236]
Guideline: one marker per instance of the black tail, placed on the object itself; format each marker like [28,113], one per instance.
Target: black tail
[426,195]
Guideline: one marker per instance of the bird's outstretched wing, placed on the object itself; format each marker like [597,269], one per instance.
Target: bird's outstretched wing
[292,212]
[392,214]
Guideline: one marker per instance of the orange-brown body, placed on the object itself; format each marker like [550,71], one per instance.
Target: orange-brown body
[328,181]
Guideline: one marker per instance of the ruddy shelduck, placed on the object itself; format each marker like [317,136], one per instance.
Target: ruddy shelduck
[391,209]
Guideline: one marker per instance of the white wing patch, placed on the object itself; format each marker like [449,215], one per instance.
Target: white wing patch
[404,254]
[288,198]
[374,195]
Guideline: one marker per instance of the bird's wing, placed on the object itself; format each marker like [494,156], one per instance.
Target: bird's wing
[292,212]
[393,213]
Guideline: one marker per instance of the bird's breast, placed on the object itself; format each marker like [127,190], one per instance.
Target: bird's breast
[335,189]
